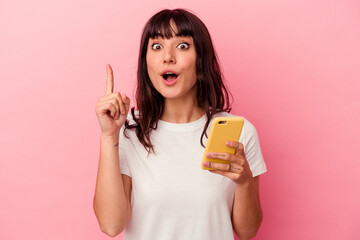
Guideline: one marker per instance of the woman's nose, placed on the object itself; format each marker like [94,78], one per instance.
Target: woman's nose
[169,56]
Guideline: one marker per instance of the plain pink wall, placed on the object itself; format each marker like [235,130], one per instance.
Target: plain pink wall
[292,66]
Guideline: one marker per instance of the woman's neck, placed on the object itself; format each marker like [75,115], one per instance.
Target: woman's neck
[181,110]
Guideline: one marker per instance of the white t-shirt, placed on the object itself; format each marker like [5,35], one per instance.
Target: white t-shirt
[172,196]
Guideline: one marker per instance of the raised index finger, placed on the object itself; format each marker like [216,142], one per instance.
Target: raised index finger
[110,80]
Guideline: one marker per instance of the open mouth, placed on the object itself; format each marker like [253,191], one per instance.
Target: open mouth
[169,76]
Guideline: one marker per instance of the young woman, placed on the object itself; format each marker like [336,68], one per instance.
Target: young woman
[149,181]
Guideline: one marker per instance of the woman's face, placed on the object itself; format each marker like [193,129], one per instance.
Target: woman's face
[171,65]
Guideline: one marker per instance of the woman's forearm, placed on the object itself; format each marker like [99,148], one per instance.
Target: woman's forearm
[110,204]
[247,212]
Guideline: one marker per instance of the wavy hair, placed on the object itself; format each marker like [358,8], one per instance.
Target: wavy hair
[212,93]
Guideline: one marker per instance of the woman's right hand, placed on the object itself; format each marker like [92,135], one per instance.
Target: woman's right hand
[112,108]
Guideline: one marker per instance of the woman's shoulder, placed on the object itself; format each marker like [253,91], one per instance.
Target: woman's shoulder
[131,122]
[130,117]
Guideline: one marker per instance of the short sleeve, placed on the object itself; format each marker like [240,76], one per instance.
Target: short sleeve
[123,159]
[252,150]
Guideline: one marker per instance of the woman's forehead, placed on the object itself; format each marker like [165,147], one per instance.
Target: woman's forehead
[169,30]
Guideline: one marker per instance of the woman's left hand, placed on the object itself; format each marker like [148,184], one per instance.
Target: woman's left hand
[238,170]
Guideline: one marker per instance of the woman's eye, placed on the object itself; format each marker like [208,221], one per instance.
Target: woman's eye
[183,45]
[155,46]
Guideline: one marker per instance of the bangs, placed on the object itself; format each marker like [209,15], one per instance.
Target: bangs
[160,25]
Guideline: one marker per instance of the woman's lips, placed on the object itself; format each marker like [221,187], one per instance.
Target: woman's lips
[170,81]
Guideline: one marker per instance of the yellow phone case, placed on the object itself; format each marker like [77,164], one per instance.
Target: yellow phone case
[222,129]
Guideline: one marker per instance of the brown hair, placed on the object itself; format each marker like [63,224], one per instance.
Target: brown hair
[212,94]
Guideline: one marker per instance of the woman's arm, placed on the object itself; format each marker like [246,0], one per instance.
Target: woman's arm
[247,213]
[112,194]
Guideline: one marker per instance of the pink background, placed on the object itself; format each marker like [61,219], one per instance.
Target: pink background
[292,66]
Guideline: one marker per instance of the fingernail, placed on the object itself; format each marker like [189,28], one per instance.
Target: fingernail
[122,111]
[205,164]
[208,155]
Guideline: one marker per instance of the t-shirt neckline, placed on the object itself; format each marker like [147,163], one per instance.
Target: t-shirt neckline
[183,126]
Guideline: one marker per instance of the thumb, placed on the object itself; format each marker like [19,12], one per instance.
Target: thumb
[126,101]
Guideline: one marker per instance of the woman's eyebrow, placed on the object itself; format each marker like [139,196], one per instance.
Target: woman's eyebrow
[156,38]
[187,38]
[182,37]
[175,38]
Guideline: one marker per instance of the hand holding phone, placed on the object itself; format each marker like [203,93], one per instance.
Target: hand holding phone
[222,129]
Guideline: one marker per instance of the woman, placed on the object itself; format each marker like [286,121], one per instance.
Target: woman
[150,182]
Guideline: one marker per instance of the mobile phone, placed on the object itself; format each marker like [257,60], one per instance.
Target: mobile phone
[222,129]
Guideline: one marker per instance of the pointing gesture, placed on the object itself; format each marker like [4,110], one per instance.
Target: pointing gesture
[112,108]
[110,80]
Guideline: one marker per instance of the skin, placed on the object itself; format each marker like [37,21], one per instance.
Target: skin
[180,107]
[112,108]
[178,54]
[113,190]
[247,212]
